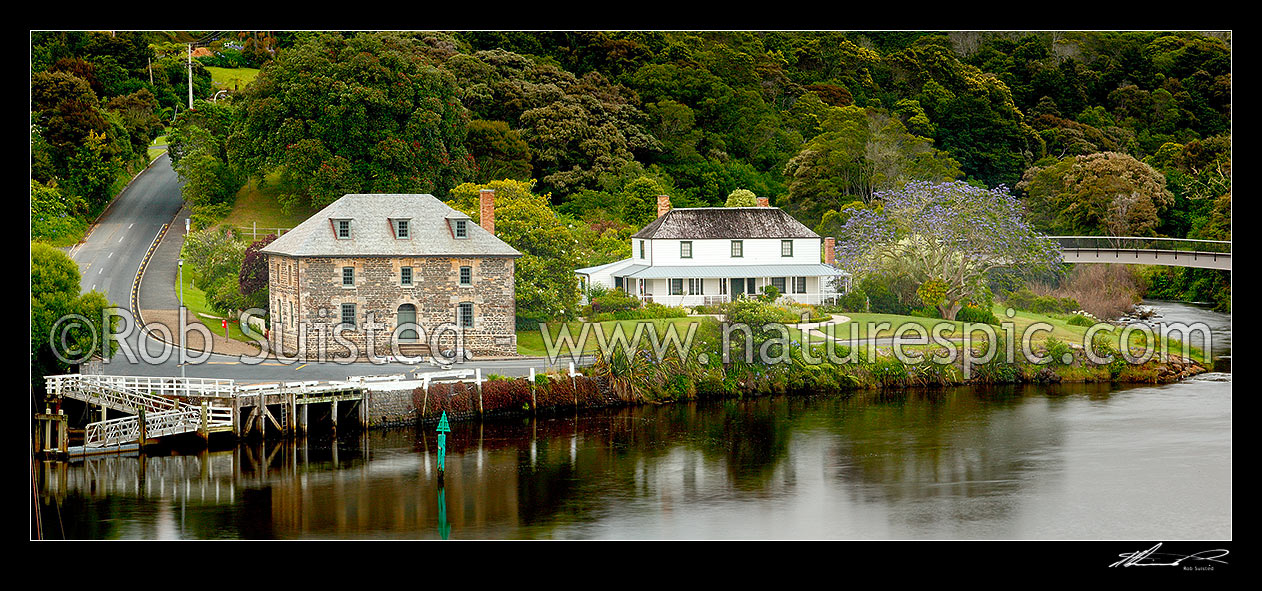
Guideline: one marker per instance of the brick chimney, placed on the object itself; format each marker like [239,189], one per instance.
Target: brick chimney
[663,205]
[764,202]
[486,201]
[830,250]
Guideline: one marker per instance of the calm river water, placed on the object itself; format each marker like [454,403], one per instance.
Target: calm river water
[1047,462]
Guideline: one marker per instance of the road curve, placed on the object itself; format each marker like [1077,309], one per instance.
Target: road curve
[110,256]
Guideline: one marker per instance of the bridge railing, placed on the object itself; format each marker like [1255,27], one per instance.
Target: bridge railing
[1142,243]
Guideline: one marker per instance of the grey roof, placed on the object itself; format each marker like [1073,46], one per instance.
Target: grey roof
[373,235]
[593,269]
[700,223]
[806,270]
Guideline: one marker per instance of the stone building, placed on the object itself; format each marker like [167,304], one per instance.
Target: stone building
[392,274]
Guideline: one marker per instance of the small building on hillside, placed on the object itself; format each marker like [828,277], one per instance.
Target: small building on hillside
[710,255]
[391,268]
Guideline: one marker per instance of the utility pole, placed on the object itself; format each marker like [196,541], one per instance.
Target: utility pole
[182,313]
[190,75]
[149,60]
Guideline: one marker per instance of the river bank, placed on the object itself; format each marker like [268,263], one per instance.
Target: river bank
[1072,460]
[611,384]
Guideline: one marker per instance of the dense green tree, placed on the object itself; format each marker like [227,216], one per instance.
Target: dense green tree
[199,145]
[54,296]
[859,152]
[741,198]
[639,199]
[369,112]
[1097,194]
[545,284]
[498,151]
[139,114]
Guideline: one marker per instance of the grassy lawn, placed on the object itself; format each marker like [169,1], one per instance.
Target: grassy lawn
[231,78]
[195,301]
[1061,330]
[255,205]
[530,342]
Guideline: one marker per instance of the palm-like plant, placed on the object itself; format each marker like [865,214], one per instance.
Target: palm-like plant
[629,373]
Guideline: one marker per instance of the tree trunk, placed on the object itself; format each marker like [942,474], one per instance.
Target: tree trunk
[949,309]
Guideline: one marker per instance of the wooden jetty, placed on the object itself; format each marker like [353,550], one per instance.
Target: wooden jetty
[157,407]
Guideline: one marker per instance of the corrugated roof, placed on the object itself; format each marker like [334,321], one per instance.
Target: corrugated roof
[590,270]
[700,223]
[373,235]
[709,271]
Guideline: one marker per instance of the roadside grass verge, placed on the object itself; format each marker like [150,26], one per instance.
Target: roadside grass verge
[198,309]
[157,147]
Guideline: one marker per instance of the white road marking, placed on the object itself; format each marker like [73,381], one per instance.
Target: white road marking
[101,270]
[120,238]
[110,255]
[129,227]
[93,287]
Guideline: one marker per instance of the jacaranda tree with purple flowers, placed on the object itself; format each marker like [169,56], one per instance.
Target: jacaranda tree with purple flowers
[952,233]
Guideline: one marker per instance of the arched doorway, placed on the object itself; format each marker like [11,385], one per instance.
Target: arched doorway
[407,315]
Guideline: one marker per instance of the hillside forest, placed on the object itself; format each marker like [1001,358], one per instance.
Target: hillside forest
[1097,133]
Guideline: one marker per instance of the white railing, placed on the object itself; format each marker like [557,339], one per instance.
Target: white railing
[113,392]
[151,387]
[127,429]
[220,415]
[709,300]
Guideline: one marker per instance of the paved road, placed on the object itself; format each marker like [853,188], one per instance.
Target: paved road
[110,257]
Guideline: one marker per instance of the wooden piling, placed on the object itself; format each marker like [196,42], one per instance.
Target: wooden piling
[204,430]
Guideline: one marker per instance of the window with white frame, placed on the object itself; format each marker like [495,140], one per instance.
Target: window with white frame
[462,229]
[405,276]
[464,315]
[641,249]
[348,315]
[685,249]
[786,248]
[343,229]
[402,229]
[466,275]
[348,276]
[738,248]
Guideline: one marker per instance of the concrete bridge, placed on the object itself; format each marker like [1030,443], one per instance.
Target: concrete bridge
[1130,250]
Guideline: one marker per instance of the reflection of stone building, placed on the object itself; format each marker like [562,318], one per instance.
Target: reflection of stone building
[401,267]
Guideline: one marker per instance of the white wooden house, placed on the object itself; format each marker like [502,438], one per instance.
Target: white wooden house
[709,255]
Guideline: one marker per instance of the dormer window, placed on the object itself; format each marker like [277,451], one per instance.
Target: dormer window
[342,229]
[402,229]
[461,228]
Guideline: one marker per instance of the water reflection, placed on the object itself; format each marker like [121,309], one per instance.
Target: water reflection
[1015,462]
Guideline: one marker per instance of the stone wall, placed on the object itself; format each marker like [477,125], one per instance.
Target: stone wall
[391,408]
[315,289]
